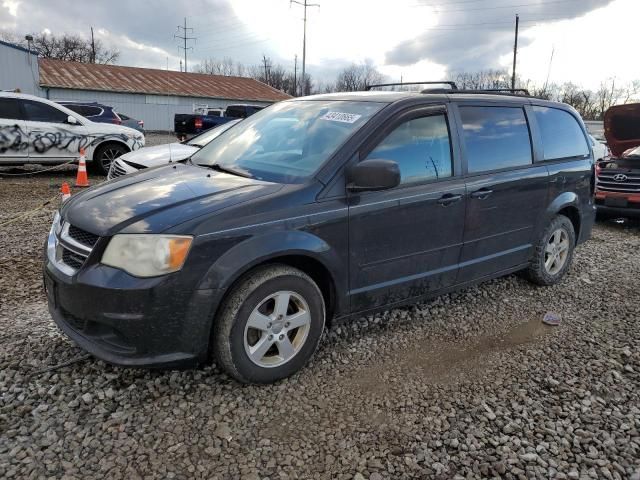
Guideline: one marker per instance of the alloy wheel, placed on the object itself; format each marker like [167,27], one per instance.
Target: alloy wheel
[277,329]
[556,251]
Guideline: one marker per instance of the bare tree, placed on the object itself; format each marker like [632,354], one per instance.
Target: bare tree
[357,77]
[73,48]
[226,67]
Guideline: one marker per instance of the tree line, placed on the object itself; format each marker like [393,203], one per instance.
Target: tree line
[590,103]
[72,48]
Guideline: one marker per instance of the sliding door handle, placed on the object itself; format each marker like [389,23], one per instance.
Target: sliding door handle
[448,199]
[482,193]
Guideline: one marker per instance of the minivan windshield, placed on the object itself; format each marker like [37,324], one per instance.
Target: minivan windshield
[288,141]
[208,135]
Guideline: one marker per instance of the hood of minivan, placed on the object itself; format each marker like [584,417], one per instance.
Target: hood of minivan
[154,200]
[622,127]
[160,154]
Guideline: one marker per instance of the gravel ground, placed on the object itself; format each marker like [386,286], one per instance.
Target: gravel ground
[469,385]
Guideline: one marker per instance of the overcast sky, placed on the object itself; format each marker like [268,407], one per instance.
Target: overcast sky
[591,40]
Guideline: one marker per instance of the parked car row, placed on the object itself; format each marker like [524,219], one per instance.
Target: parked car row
[186,125]
[97,112]
[36,130]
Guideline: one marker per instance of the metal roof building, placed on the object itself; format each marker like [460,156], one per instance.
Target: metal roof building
[147,94]
[19,69]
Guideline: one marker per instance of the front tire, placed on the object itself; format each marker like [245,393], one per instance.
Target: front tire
[269,325]
[553,252]
[104,155]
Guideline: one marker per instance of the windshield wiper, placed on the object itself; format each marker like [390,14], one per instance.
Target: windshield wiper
[219,168]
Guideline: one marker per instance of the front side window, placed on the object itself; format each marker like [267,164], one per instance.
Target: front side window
[10,109]
[41,112]
[561,134]
[495,138]
[288,141]
[420,147]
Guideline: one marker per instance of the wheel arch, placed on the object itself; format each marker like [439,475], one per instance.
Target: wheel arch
[107,141]
[297,249]
[566,204]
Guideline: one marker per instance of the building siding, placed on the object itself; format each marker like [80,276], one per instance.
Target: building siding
[156,111]
[19,70]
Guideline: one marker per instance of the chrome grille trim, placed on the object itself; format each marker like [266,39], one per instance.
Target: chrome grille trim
[65,252]
[606,181]
[116,170]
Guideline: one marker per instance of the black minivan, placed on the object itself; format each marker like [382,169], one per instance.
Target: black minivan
[317,208]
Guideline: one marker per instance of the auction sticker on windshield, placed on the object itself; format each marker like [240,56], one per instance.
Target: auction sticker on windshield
[341,117]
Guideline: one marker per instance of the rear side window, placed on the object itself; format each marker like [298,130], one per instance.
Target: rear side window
[10,109]
[236,112]
[495,138]
[561,134]
[420,147]
[84,110]
[41,112]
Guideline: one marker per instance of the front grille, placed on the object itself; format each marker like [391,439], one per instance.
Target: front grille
[626,182]
[83,237]
[116,170]
[72,259]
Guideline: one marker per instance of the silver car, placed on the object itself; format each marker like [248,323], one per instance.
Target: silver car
[162,154]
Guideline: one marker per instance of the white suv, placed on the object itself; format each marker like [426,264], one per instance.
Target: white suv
[35,130]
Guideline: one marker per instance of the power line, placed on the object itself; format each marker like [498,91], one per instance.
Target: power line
[185,38]
[515,55]
[517,5]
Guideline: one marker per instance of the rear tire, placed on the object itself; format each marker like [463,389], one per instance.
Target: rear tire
[269,325]
[553,252]
[104,155]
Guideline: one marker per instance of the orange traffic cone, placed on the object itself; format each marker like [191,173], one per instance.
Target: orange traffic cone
[81,179]
[66,191]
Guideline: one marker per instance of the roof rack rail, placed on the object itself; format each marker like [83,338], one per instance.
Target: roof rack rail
[451,84]
[500,91]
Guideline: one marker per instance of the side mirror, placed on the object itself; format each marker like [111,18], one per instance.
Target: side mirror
[373,175]
[72,120]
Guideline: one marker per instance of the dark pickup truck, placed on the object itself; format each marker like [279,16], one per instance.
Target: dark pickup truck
[192,124]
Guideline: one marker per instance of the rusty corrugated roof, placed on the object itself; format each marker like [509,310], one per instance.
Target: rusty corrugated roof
[115,78]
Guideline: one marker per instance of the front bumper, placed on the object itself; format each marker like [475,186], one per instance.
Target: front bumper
[129,321]
[617,203]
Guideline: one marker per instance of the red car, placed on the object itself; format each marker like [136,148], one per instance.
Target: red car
[618,177]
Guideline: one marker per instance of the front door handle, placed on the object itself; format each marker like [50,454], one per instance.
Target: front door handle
[448,199]
[481,194]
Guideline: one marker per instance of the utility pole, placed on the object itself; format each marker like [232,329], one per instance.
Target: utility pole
[93,48]
[515,55]
[185,38]
[267,68]
[295,75]
[304,38]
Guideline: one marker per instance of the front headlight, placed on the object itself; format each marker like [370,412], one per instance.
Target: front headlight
[147,255]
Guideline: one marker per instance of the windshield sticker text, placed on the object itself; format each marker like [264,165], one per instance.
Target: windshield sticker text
[341,117]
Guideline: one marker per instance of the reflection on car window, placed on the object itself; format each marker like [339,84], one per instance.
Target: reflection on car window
[420,147]
[208,135]
[562,136]
[288,141]
[495,138]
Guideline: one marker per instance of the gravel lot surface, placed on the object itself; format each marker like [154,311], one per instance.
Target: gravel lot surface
[469,385]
